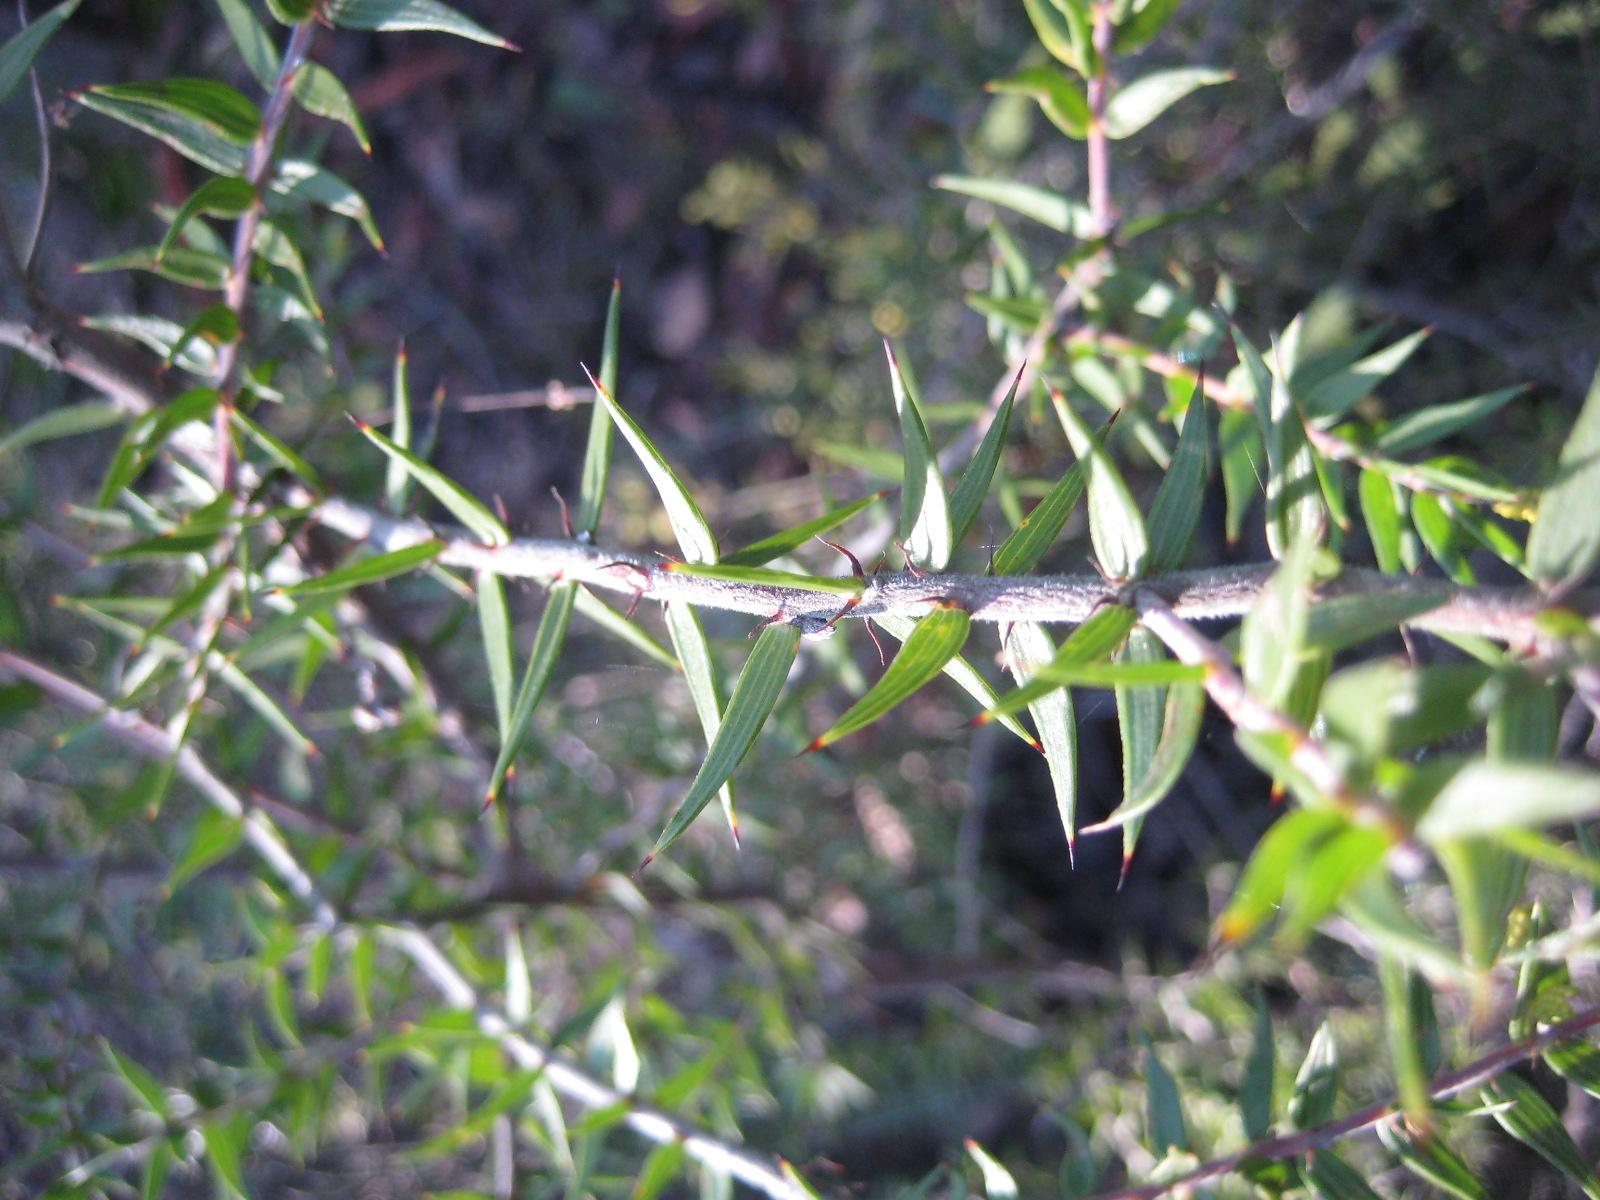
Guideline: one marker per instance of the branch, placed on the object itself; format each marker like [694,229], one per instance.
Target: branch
[152,742]
[1505,614]
[1443,1087]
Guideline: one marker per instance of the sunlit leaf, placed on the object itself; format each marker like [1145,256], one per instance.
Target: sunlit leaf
[387,16]
[1136,104]
[1382,515]
[193,139]
[297,179]
[597,452]
[1530,1119]
[143,1085]
[937,639]
[1027,648]
[1429,425]
[1294,497]
[694,652]
[1143,24]
[1037,532]
[1341,391]
[254,43]
[1485,796]
[1565,539]
[1115,526]
[547,644]
[461,504]
[1050,209]
[786,542]
[1243,463]
[1058,95]
[1090,644]
[318,91]
[224,197]
[1176,509]
[1260,889]
[961,672]
[217,107]
[1063,38]
[973,486]
[618,626]
[494,623]
[924,508]
[1180,727]
[768,577]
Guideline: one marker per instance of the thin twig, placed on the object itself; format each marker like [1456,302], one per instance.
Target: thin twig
[150,741]
[1443,1087]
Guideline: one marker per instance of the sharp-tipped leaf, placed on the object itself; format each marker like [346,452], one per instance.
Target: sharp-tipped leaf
[937,639]
[494,623]
[193,139]
[66,421]
[618,626]
[1331,1178]
[1523,1113]
[1029,647]
[224,197]
[254,43]
[1341,391]
[461,504]
[1432,1161]
[1381,512]
[1180,727]
[1429,425]
[396,478]
[371,569]
[1050,209]
[1059,96]
[973,486]
[1294,497]
[597,453]
[768,548]
[767,577]
[924,509]
[1037,532]
[1115,527]
[318,91]
[1261,886]
[223,110]
[1137,104]
[1090,644]
[300,180]
[387,16]
[694,652]
[1565,539]
[1176,509]
[961,672]
[547,644]
[1168,1130]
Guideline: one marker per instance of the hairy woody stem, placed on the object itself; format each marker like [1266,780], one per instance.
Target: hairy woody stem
[581,1088]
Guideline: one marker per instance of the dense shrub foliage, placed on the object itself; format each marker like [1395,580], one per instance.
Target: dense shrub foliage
[1208,805]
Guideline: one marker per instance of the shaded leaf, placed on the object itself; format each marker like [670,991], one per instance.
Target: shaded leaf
[597,452]
[223,110]
[1565,539]
[1529,1118]
[190,138]
[253,42]
[694,652]
[1431,1160]
[967,499]
[1255,1095]
[618,626]
[19,51]
[494,623]
[224,197]
[1167,1128]
[1176,509]
[1243,458]
[1429,425]
[213,837]
[396,478]
[1331,1178]
[318,91]
[1316,1087]
[69,420]
[1341,391]
[387,16]
[1294,497]
[297,179]
[1143,24]
[547,644]
[1058,95]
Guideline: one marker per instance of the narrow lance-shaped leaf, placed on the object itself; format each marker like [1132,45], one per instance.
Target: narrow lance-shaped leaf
[1565,540]
[1037,532]
[1050,209]
[937,639]
[1180,727]
[1331,1178]
[754,695]
[597,454]
[967,499]
[768,548]
[1474,802]
[254,43]
[1239,440]
[1338,393]
[698,543]
[961,672]
[768,577]
[1137,104]
[1429,1159]
[1059,96]
[461,504]
[66,421]
[1316,1087]
[1294,497]
[371,568]
[694,652]
[1429,425]
[1405,1041]
[1266,874]
[1382,515]
[1166,1125]
[924,509]
[219,108]
[396,478]
[1115,526]
[1523,1113]
[18,53]
[224,197]
[1139,713]
[1091,642]
[195,141]
[1027,648]
[298,179]
[494,622]
[319,91]
[1141,26]
[389,16]
[1176,509]
[1255,1096]
[547,644]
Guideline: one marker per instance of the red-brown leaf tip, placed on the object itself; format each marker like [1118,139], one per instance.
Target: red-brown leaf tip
[1122,875]
[1036,744]
[813,747]
[648,859]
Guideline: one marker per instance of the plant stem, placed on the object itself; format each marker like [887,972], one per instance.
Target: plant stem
[1099,145]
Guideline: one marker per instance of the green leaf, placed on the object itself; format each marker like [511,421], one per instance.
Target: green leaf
[396,479]
[961,672]
[1386,707]
[1255,1094]
[1056,34]
[1486,796]
[181,265]
[967,499]
[1143,25]
[1059,96]
[1429,425]
[1166,1125]
[698,543]
[1028,647]
[17,55]
[547,644]
[156,1169]
[618,626]
[597,453]
[291,12]
[1338,622]
[1138,727]
[387,16]
[1243,457]
[224,197]
[494,622]
[187,603]
[1406,1040]
[1565,540]
[69,420]
[1294,497]
[1430,1160]
[1316,1087]
[318,91]
[143,1085]
[1135,105]
[252,40]
[461,504]
[1578,1062]
[998,1183]
[1180,727]
[1260,889]
[275,245]
[1326,873]
[158,334]
[225,1145]
[694,652]
[937,639]
[216,325]
[1530,1119]
[1382,515]
[213,837]
[274,448]
[223,110]
[1341,391]
[767,577]
[1331,1178]
[1273,635]
[1050,209]
[190,138]
[1037,532]
[1115,527]
[1176,509]
[297,179]
[779,544]
[924,510]
[757,691]
[661,1166]
[1090,643]
[1434,523]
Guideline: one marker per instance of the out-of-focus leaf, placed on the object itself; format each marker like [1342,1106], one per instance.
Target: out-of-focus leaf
[1565,539]
[141,1083]
[1405,1040]
[1037,531]
[67,421]
[225,1147]
[1090,643]
[1436,526]
[694,652]
[1326,873]
[1050,209]
[973,486]
[695,538]
[275,245]
[1341,391]
[1058,95]
[661,1166]
[768,577]
[388,16]
[461,504]
[937,639]
[924,508]
[1316,1087]
[214,836]
[1385,707]
[1338,622]
[754,695]
[1530,1119]
[1028,647]
[396,479]
[217,324]
[597,453]
[1331,1178]
[297,179]
[1382,515]
[1255,1094]
[19,51]
[223,197]
[1065,38]
[318,91]
[961,672]
[250,36]
[1432,1161]
[1243,459]
[1135,105]
[768,548]
[1180,727]
[1166,1125]
[223,110]
[494,623]
[1273,636]
[291,12]
[190,138]
[1486,796]
[1294,497]
[618,626]
[997,1181]
[1176,509]
[181,265]
[1266,874]
[1143,24]
[547,643]
[1115,526]
[274,448]
[1429,425]
[1577,1061]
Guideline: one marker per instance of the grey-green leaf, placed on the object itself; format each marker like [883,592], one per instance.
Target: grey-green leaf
[1037,532]
[1486,796]
[1115,526]
[973,486]
[1431,1160]
[494,622]
[961,672]
[1050,209]
[461,504]
[547,644]
[1532,1121]
[1167,1128]
[1255,1095]
[597,454]
[694,652]
[695,538]
[1338,393]
[1429,425]
[924,508]
[1331,1178]
[1092,642]
[1176,509]
[1180,727]
[1142,101]
[370,569]
[66,421]
[1028,647]
[17,55]
[754,695]
[1565,540]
